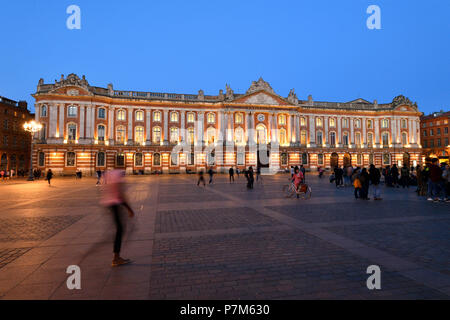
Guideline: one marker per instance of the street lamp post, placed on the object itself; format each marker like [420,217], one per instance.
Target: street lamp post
[32,127]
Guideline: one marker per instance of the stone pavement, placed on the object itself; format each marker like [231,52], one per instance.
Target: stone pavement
[222,242]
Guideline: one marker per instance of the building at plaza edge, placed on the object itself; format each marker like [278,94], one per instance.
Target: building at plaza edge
[88,128]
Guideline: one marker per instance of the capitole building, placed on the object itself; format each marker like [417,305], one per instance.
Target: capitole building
[90,128]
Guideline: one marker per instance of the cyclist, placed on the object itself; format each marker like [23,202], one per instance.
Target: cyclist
[297,179]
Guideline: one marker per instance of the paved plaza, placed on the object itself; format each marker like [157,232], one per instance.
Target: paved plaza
[222,241]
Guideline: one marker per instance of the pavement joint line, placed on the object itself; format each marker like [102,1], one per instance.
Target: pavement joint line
[426,277]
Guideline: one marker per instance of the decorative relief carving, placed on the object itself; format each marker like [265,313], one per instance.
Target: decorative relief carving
[260,85]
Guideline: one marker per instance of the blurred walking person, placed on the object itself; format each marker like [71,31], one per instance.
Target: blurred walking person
[201,178]
[231,173]
[211,174]
[375,177]
[49,176]
[114,199]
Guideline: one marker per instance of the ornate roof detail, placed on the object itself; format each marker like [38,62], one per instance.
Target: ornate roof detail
[292,97]
[402,100]
[229,95]
[260,85]
[72,80]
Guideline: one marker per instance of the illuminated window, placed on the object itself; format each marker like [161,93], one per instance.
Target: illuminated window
[358,138]
[121,115]
[157,116]
[174,135]
[139,135]
[70,159]
[157,159]
[318,122]
[174,117]
[357,123]
[332,122]
[385,123]
[120,134]
[404,125]
[239,118]
[41,162]
[191,138]
[320,159]
[386,159]
[210,135]
[369,124]
[211,118]
[283,138]
[139,115]
[239,135]
[369,139]
[332,138]
[385,139]
[302,121]
[190,117]
[282,119]
[345,123]
[345,139]
[157,135]
[303,137]
[404,138]
[319,138]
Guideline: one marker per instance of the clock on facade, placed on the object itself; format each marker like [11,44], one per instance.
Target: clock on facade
[261,117]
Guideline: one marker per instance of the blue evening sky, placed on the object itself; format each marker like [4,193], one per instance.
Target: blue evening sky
[318,47]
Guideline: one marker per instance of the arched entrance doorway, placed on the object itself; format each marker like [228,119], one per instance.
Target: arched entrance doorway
[4,162]
[347,160]
[334,160]
[406,159]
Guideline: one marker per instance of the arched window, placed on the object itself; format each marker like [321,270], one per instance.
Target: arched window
[371,158]
[357,123]
[369,124]
[70,159]
[261,134]
[210,135]
[41,159]
[345,123]
[211,118]
[404,124]
[404,138]
[318,122]
[44,111]
[282,120]
[43,132]
[156,159]
[72,111]
[239,135]
[385,123]
[121,115]
[101,113]
[303,121]
[385,139]
[100,159]
[120,134]
[191,136]
[319,140]
[139,115]
[139,135]
[190,117]
[4,162]
[138,160]
[101,132]
[157,116]
[282,138]
[71,131]
[157,135]
[174,135]
[174,117]
[239,118]
[332,122]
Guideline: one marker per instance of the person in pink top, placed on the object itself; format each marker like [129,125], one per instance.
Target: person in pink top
[297,178]
[113,198]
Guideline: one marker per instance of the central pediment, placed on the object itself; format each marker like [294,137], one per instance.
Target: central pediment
[261,98]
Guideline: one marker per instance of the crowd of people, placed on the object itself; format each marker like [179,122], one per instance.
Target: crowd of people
[432,181]
[11,174]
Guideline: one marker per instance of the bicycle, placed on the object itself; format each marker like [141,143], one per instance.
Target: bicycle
[304,191]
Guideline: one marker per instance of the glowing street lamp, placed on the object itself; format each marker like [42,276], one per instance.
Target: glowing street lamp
[32,127]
